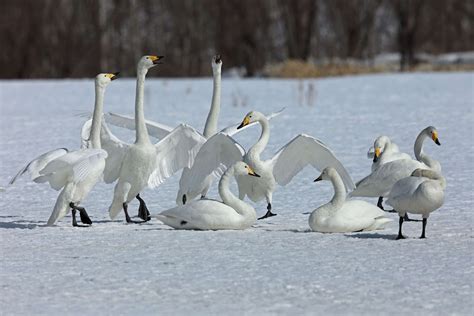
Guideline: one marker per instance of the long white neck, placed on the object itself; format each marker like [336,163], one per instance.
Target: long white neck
[339,191]
[231,200]
[141,131]
[97,116]
[421,156]
[211,123]
[255,151]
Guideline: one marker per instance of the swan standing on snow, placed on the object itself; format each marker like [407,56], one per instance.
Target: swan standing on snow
[160,131]
[421,193]
[206,214]
[142,163]
[74,172]
[345,216]
[221,150]
[381,180]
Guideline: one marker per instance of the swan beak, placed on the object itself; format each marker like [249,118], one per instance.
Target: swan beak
[245,122]
[434,136]
[376,154]
[318,178]
[155,59]
[114,75]
[217,58]
[252,173]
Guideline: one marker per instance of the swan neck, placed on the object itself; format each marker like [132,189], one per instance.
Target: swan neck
[228,197]
[97,116]
[339,191]
[211,123]
[262,142]
[141,130]
[419,146]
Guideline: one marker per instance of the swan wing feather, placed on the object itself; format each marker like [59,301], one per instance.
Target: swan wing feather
[155,129]
[116,150]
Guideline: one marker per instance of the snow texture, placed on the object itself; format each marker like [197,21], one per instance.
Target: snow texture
[278,267]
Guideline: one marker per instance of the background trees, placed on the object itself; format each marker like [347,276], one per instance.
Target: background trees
[70,38]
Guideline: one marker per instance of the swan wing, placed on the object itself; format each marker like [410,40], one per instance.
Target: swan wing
[85,134]
[217,154]
[37,164]
[155,129]
[306,150]
[174,152]
[116,150]
[232,130]
[74,166]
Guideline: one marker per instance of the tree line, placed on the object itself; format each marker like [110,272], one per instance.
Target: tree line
[79,38]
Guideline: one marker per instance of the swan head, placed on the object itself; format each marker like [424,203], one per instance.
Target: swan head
[327,174]
[433,133]
[103,79]
[216,64]
[251,117]
[149,61]
[379,146]
[242,169]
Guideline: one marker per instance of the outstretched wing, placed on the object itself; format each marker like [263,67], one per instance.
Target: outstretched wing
[34,166]
[306,150]
[155,129]
[74,166]
[174,152]
[116,150]
[217,154]
[232,130]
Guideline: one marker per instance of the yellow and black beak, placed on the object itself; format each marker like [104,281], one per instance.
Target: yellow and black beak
[252,173]
[318,178]
[376,154]
[156,59]
[434,137]
[245,122]
[114,75]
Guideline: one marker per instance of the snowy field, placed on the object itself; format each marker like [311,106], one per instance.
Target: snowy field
[278,267]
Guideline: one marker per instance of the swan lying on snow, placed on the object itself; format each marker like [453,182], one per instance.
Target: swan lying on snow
[381,180]
[421,193]
[75,172]
[344,216]
[205,214]
[221,150]
[160,131]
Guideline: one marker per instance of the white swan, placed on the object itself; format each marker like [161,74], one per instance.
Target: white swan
[206,214]
[221,150]
[160,131]
[344,216]
[75,172]
[421,193]
[142,163]
[385,151]
[381,180]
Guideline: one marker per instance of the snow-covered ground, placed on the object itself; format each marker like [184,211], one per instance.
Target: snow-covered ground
[276,267]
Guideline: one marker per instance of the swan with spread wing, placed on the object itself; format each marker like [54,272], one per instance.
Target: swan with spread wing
[222,151]
[74,172]
[160,131]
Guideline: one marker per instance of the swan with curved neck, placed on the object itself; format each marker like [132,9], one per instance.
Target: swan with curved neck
[205,214]
[385,151]
[340,215]
[420,193]
[381,180]
[75,172]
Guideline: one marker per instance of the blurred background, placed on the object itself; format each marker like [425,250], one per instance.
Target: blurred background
[274,38]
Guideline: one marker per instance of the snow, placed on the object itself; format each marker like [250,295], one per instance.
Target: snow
[277,267]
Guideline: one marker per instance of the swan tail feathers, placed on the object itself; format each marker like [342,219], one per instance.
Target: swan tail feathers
[60,208]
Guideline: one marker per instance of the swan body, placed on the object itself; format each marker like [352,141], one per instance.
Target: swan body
[74,172]
[381,180]
[420,193]
[341,215]
[221,150]
[206,214]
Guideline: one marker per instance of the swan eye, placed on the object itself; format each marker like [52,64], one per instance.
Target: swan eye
[105,76]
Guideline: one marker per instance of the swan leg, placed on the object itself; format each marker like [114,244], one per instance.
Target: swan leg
[407,219]
[143,212]
[85,219]
[379,203]
[269,212]
[127,217]
[400,223]
[184,199]
[424,227]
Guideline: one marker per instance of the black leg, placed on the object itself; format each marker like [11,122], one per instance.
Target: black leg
[269,212]
[407,219]
[400,223]
[74,222]
[85,219]
[379,203]
[203,197]
[424,227]
[143,212]
[184,199]
[127,217]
